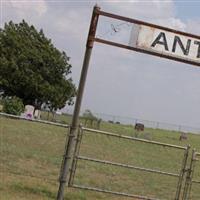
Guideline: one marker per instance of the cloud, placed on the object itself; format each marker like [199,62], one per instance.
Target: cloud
[141,9]
[193,26]
[172,22]
[132,84]
[29,8]
[31,11]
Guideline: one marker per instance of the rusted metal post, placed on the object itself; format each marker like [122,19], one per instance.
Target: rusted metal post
[182,174]
[188,183]
[68,156]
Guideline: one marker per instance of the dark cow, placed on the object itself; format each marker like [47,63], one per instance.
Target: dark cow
[183,136]
[139,127]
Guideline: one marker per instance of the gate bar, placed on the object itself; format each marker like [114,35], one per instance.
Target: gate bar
[133,138]
[197,154]
[195,159]
[135,21]
[127,166]
[76,153]
[188,181]
[182,174]
[111,192]
[195,181]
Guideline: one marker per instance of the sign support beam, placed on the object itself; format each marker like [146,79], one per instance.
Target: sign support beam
[67,160]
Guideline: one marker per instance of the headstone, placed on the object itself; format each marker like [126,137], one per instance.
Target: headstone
[37,114]
[29,110]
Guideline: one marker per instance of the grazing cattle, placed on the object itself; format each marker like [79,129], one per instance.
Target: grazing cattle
[93,122]
[139,127]
[183,136]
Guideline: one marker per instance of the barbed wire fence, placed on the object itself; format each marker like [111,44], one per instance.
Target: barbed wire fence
[25,145]
[147,123]
[19,168]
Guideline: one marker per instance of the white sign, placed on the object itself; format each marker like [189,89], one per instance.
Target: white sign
[165,43]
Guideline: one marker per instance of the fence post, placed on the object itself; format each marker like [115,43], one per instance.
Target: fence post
[76,153]
[188,183]
[67,160]
[182,173]
[157,125]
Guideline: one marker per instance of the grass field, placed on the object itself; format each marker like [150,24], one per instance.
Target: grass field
[31,155]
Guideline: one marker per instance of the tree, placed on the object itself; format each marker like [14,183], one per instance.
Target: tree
[32,69]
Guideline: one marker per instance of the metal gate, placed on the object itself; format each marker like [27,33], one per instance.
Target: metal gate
[138,43]
[184,152]
[192,179]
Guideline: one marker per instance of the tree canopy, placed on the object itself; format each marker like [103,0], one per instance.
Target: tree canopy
[32,69]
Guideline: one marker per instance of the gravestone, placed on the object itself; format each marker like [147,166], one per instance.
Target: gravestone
[29,110]
[37,114]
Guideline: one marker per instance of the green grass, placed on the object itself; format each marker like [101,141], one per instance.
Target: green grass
[31,154]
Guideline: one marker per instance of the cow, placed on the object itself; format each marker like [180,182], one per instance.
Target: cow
[183,136]
[139,127]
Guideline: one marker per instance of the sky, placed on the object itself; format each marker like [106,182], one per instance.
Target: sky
[121,82]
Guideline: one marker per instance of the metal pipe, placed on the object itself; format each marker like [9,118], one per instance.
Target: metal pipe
[192,181]
[67,160]
[182,174]
[187,61]
[133,138]
[197,154]
[135,21]
[112,192]
[188,181]
[196,181]
[127,166]
[76,153]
